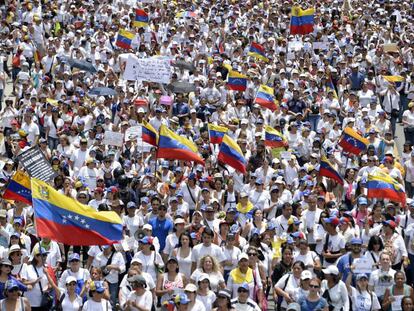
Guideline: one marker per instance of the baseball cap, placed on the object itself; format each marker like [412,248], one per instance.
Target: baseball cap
[190,288]
[146,240]
[243,287]
[73,257]
[356,241]
[294,306]
[332,220]
[331,270]
[361,276]
[70,279]
[242,256]
[362,201]
[390,223]
[306,275]
[97,286]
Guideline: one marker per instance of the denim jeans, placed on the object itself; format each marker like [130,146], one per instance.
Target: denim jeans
[113,292]
[314,119]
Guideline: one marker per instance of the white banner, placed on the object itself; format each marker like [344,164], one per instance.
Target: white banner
[148,69]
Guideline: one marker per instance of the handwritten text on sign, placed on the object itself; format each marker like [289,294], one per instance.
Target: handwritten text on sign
[148,69]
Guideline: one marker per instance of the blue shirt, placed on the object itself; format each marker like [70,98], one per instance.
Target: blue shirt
[160,229]
[306,305]
[344,265]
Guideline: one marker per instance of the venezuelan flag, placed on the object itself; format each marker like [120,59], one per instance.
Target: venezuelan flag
[274,138]
[124,39]
[257,51]
[352,142]
[189,14]
[381,185]
[265,97]
[302,21]
[67,221]
[174,146]
[394,78]
[19,188]
[216,133]
[330,87]
[236,81]
[141,18]
[149,134]
[326,169]
[231,154]
[37,56]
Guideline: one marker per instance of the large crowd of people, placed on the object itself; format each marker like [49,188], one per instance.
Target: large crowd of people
[208,237]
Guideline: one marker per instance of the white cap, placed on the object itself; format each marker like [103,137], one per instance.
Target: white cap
[70,279]
[141,110]
[242,256]
[305,275]
[331,270]
[147,227]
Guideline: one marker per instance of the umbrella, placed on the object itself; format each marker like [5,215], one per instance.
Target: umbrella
[184,65]
[181,87]
[81,64]
[102,91]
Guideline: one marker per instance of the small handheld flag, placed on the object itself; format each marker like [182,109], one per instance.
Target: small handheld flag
[141,18]
[149,134]
[258,51]
[352,142]
[124,39]
[236,81]
[231,154]
[302,21]
[274,138]
[265,97]
[326,169]
[216,133]
[19,188]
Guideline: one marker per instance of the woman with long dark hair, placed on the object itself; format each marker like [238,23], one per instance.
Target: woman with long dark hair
[171,282]
[375,247]
[223,301]
[362,298]
[183,252]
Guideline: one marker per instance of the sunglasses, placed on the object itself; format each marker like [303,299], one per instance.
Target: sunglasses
[252,254]
[314,286]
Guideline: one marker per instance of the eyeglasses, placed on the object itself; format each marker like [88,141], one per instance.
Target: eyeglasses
[16,254]
[252,254]
[82,197]
[313,286]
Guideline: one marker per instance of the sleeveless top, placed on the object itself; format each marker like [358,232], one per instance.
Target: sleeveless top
[3,304]
[177,285]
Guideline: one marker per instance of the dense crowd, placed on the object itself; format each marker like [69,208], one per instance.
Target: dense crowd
[208,237]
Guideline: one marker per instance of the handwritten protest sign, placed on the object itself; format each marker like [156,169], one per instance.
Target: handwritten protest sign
[148,69]
[321,46]
[133,132]
[362,265]
[113,139]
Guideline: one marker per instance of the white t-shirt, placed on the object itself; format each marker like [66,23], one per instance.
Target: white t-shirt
[363,301]
[32,130]
[91,305]
[215,278]
[380,280]
[34,295]
[200,250]
[144,300]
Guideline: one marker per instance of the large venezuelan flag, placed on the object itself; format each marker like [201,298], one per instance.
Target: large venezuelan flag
[174,146]
[149,134]
[302,21]
[124,39]
[19,188]
[257,51]
[65,220]
[381,185]
[274,138]
[236,81]
[265,97]
[352,142]
[216,133]
[141,18]
[231,154]
[326,169]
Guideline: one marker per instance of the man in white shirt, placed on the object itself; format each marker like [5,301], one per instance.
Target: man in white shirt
[382,278]
[206,248]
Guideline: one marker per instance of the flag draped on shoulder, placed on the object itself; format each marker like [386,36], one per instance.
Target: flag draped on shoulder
[328,170]
[124,39]
[301,21]
[216,133]
[67,221]
[19,188]
[231,154]
[352,142]
[274,138]
[173,146]
[265,97]
[382,185]
[149,134]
